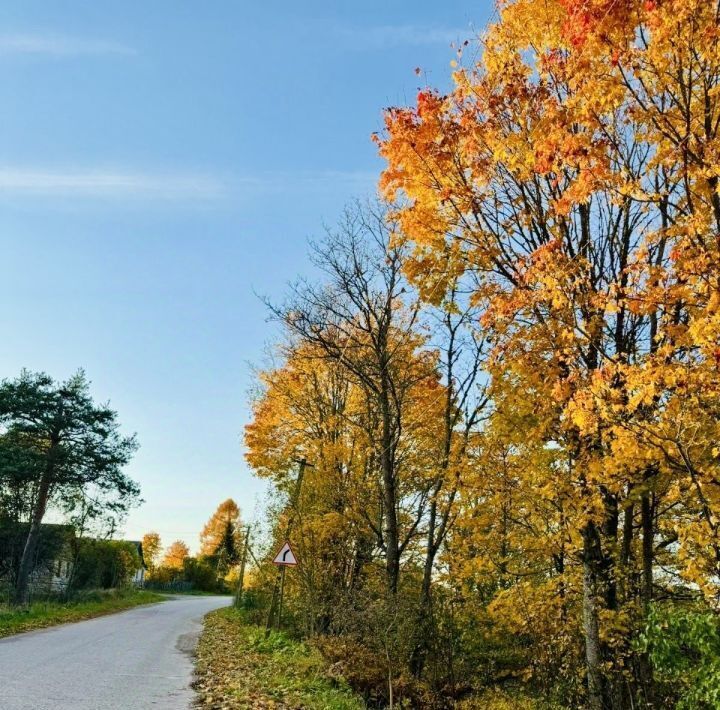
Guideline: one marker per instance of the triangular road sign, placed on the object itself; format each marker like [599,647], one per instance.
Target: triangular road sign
[286,557]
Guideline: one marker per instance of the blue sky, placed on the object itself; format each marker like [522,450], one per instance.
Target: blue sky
[160,164]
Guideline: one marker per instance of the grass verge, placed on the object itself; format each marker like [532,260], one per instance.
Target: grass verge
[89,604]
[238,668]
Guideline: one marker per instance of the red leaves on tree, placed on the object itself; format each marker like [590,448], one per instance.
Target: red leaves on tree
[587,17]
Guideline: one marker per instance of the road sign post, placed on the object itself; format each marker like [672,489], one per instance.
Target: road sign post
[285,558]
[282,594]
[280,579]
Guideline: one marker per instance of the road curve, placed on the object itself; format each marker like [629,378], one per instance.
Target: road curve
[141,658]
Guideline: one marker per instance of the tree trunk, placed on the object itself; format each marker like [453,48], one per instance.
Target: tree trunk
[648,551]
[392,538]
[363,555]
[591,629]
[422,646]
[626,552]
[610,533]
[22,586]
[647,515]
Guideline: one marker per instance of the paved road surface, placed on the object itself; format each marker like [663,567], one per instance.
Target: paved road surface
[139,658]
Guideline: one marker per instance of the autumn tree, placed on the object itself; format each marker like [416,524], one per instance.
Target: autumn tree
[360,320]
[151,548]
[349,339]
[508,381]
[308,409]
[460,349]
[72,445]
[221,534]
[571,171]
[175,555]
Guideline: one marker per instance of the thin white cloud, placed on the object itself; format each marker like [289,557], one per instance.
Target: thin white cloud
[97,184]
[387,36]
[318,179]
[109,184]
[60,45]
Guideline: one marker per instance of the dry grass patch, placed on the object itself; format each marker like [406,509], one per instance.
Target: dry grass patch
[238,668]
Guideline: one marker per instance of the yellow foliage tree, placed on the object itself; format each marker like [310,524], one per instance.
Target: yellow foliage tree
[176,555]
[573,170]
[224,523]
[151,547]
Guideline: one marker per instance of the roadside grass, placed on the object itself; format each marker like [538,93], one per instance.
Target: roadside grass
[238,668]
[506,699]
[86,605]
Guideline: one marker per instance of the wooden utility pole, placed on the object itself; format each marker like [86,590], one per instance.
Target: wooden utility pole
[243,562]
[279,587]
[282,594]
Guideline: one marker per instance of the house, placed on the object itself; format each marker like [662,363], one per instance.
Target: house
[54,556]
[62,559]
[138,579]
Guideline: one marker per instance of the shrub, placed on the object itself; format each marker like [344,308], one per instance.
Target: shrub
[197,573]
[202,575]
[683,645]
[104,564]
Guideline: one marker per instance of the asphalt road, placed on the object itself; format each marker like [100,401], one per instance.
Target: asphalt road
[141,658]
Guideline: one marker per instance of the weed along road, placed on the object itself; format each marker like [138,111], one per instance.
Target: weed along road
[140,658]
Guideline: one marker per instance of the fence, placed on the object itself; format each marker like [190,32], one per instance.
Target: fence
[178,586]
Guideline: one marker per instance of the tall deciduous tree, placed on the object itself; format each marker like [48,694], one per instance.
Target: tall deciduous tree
[222,531]
[77,444]
[176,554]
[151,546]
[364,319]
[573,171]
